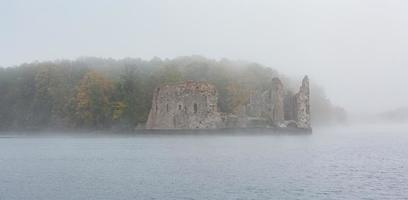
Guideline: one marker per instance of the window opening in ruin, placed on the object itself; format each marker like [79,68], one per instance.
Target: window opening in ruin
[195,108]
[167,107]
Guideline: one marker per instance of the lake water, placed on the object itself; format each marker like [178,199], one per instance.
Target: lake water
[354,163]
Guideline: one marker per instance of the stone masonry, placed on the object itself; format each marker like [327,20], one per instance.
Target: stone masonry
[189,105]
[193,105]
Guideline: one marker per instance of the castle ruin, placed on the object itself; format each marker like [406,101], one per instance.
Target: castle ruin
[193,105]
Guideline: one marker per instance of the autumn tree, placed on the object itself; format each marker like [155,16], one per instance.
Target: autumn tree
[74,93]
[132,102]
[93,101]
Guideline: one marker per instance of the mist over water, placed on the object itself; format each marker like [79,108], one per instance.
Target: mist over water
[356,50]
[332,163]
[54,55]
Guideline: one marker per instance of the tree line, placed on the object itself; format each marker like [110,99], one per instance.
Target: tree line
[97,93]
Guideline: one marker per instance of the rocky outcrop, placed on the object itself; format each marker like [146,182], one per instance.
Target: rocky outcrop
[189,105]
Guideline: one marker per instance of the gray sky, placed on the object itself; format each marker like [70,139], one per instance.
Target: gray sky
[356,49]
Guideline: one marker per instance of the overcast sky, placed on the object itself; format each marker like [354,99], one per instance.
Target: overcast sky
[356,49]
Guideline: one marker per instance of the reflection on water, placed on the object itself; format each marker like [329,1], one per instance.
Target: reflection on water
[329,164]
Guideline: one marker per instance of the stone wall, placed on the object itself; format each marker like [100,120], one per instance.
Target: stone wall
[193,105]
[277,107]
[276,101]
[266,106]
[297,106]
[189,105]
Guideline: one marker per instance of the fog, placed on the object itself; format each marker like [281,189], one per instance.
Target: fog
[355,49]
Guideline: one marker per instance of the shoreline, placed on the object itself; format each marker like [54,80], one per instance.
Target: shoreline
[220,131]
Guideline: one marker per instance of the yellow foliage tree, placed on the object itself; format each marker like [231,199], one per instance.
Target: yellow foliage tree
[93,100]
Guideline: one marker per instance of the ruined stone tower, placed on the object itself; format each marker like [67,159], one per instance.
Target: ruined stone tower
[297,106]
[302,105]
[188,105]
